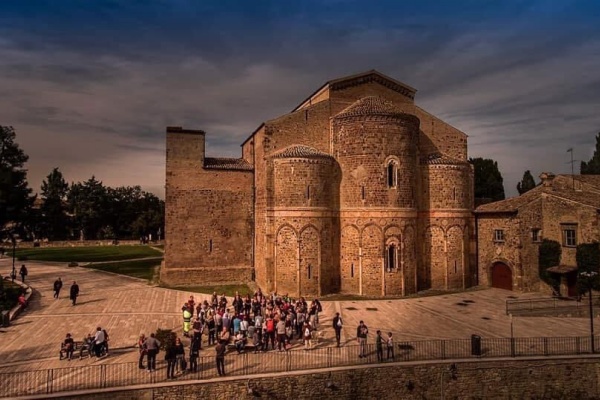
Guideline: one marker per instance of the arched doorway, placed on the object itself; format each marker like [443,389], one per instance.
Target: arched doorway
[501,276]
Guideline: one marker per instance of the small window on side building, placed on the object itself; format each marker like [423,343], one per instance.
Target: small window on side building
[536,235]
[569,234]
[498,235]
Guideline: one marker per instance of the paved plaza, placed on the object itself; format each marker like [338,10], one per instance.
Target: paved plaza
[127,307]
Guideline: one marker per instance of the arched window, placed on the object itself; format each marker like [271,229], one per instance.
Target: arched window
[392,174]
[392,257]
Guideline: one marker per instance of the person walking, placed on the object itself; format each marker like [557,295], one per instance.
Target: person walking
[143,350]
[337,327]
[23,272]
[361,336]
[152,345]
[220,350]
[57,286]
[74,292]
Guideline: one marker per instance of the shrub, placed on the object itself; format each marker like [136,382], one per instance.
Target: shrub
[588,260]
[164,336]
[549,256]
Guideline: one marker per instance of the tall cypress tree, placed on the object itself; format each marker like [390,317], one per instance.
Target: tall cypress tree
[527,183]
[54,217]
[592,167]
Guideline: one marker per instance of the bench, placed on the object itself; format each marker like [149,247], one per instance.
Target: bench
[77,345]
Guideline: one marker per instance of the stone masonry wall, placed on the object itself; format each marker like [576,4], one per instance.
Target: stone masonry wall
[491,251]
[507,379]
[208,214]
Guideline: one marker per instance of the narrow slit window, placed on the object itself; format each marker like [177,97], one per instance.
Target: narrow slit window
[392,174]
[391,258]
[210,246]
[309,271]
[362,192]
[352,270]
[308,192]
[455,266]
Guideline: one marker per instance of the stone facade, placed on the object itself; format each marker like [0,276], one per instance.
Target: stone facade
[357,190]
[559,204]
[573,378]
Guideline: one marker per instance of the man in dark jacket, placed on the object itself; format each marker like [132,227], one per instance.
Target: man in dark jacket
[361,335]
[220,349]
[74,292]
[337,327]
[57,286]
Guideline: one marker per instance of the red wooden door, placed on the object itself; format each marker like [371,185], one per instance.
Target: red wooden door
[501,276]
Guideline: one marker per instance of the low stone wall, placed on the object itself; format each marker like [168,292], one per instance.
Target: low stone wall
[79,243]
[540,378]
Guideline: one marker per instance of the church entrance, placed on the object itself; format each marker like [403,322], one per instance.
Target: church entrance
[501,276]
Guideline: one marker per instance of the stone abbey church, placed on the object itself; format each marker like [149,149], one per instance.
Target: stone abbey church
[356,190]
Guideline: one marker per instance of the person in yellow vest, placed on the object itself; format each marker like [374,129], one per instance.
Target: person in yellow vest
[187,319]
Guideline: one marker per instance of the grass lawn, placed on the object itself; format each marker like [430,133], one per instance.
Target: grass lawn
[229,290]
[145,269]
[86,254]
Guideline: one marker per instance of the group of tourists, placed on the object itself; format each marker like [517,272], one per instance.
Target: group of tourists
[256,321]
[96,345]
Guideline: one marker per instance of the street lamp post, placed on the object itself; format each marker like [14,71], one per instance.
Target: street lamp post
[14,243]
[589,275]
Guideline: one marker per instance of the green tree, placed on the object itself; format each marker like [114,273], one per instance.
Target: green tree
[87,202]
[488,180]
[53,209]
[592,167]
[549,254]
[527,183]
[15,195]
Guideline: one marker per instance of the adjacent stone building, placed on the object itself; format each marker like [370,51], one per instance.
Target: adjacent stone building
[563,208]
[356,190]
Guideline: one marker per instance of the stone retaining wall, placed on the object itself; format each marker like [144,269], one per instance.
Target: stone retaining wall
[543,378]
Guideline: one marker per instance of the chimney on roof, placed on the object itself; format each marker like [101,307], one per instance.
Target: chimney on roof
[547,178]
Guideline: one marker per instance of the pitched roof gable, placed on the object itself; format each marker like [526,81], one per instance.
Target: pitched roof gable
[561,187]
[359,79]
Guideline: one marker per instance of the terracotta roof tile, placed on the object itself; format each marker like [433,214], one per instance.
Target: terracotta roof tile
[300,151]
[371,105]
[441,159]
[238,164]
[561,187]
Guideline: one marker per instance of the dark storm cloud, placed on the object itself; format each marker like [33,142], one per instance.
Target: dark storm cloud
[90,86]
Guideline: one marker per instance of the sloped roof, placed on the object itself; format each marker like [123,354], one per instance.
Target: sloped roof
[362,78]
[559,188]
[238,164]
[370,105]
[441,159]
[300,151]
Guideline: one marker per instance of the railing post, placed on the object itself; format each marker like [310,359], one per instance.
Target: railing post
[49,381]
[103,374]
[512,347]
[545,346]
[443,349]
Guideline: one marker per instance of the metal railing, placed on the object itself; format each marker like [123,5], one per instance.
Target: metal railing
[555,304]
[40,382]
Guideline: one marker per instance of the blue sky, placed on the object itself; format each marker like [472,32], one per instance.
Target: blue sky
[90,85]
